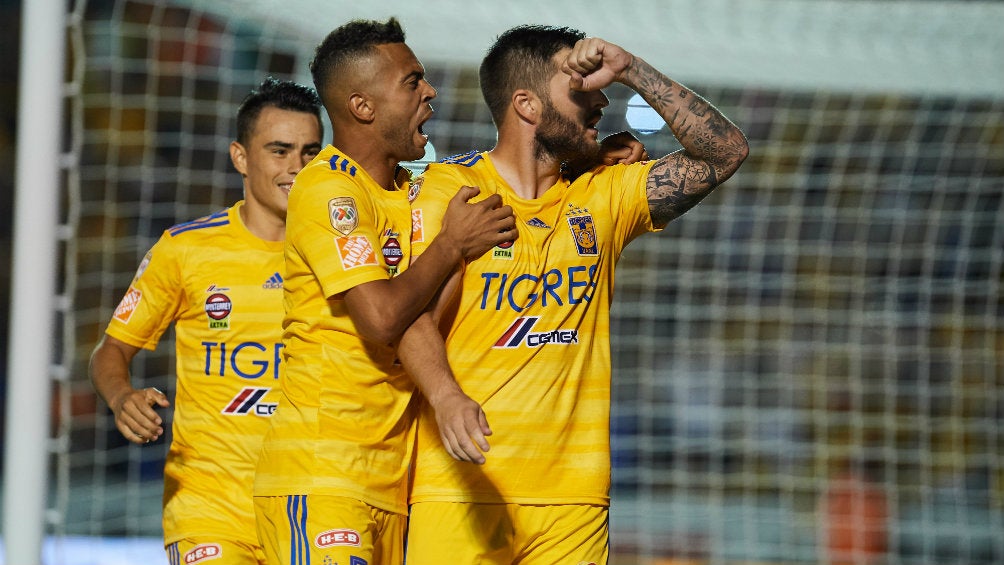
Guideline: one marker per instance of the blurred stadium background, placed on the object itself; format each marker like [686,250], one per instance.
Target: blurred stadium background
[809,366]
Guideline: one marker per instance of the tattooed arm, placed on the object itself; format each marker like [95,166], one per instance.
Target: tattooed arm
[713,147]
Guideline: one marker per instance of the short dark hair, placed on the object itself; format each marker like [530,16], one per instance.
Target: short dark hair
[281,94]
[349,42]
[521,58]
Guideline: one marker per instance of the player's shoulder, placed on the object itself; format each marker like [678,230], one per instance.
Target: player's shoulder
[330,171]
[469,159]
[199,227]
[464,165]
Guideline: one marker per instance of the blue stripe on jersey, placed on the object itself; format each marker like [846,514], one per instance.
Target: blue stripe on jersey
[296,513]
[339,163]
[204,222]
[173,558]
[465,159]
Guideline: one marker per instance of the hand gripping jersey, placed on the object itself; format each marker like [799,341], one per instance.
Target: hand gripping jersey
[344,425]
[222,288]
[530,338]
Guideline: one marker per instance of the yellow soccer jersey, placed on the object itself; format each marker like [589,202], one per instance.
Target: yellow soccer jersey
[222,288]
[530,340]
[344,425]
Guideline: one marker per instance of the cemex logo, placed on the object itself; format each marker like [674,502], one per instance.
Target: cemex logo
[247,402]
[519,334]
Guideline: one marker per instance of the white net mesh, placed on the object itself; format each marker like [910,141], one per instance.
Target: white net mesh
[814,350]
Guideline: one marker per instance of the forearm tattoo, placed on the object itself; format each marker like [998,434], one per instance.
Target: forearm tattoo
[713,147]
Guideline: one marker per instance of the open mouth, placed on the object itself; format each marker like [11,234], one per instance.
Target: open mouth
[421,125]
[285,186]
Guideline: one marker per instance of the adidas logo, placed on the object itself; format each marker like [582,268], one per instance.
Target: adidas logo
[275,281]
[537,223]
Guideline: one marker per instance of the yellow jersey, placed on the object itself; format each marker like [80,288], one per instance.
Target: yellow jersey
[221,286]
[345,422]
[529,339]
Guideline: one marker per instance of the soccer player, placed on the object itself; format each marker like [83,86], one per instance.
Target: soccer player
[219,280]
[330,485]
[527,325]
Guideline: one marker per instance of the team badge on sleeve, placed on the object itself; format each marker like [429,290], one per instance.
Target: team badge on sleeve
[343,214]
[581,223]
[128,305]
[143,265]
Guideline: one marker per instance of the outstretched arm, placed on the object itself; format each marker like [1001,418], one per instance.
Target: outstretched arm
[713,147]
[135,417]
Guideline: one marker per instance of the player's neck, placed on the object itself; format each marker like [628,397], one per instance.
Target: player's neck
[526,173]
[261,223]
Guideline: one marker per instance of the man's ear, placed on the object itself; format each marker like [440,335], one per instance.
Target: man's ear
[239,157]
[361,107]
[528,106]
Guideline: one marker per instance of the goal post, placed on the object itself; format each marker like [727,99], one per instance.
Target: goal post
[807,366]
[38,178]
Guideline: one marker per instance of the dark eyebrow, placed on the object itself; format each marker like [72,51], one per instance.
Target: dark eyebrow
[279,145]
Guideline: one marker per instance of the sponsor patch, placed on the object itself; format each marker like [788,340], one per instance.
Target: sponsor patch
[218,308]
[128,305]
[343,214]
[203,552]
[356,560]
[537,223]
[519,334]
[417,226]
[503,251]
[337,537]
[246,402]
[392,253]
[355,251]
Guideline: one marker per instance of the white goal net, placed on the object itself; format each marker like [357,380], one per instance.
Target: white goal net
[808,366]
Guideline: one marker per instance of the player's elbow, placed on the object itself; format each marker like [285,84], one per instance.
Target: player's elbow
[385,330]
[739,150]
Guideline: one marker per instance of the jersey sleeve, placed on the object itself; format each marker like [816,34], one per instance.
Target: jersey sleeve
[627,187]
[332,225]
[154,299]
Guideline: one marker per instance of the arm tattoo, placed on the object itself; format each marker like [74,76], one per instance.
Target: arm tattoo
[713,147]
[676,183]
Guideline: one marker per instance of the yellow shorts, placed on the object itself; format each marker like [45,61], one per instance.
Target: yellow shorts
[301,529]
[501,534]
[195,550]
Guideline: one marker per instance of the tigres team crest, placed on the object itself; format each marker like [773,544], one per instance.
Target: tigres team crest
[343,214]
[415,188]
[583,233]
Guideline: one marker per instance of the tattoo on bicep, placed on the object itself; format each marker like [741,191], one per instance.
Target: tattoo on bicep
[676,183]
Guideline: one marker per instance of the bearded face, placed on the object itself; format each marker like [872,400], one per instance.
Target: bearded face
[564,138]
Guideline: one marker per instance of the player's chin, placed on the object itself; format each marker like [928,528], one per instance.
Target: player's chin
[417,151]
